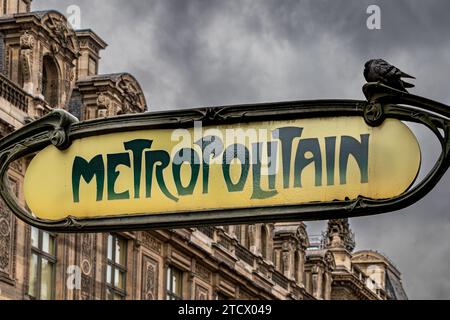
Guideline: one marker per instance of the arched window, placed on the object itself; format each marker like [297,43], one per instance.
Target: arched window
[50,81]
[264,241]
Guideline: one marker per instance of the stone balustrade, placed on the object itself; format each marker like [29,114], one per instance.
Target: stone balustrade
[14,94]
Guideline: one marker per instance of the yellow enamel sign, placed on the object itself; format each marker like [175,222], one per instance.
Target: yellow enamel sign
[259,164]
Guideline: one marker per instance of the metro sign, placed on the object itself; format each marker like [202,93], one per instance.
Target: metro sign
[307,160]
[144,171]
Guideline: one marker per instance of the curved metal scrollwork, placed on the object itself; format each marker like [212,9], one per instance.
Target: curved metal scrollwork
[374,114]
[60,128]
[51,129]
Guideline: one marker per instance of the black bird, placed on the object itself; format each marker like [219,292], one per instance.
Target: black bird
[378,70]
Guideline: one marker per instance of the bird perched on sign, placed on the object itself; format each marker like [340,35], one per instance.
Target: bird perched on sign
[378,70]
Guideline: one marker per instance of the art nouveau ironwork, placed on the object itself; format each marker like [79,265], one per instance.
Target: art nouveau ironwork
[60,129]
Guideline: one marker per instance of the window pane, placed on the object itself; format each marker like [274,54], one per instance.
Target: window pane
[46,280]
[33,274]
[110,247]
[120,252]
[47,243]
[34,237]
[178,283]
[116,278]
[108,275]
[174,284]
[119,279]
[168,281]
[109,295]
[122,280]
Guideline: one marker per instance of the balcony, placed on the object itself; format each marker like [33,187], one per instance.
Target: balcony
[245,255]
[15,95]
[208,231]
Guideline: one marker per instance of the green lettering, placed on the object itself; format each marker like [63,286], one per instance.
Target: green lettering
[287,136]
[240,152]
[212,147]
[258,192]
[272,154]
[160,160]
[330,146]
[137,147]
[301,161]
[360,151]
[191,157]
[115,160]
[88,170]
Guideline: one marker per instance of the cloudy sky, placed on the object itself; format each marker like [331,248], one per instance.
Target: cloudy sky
[191,53]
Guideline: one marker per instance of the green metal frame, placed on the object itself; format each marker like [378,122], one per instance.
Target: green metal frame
[60,129]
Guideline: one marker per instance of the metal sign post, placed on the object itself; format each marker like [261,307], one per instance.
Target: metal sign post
[288,161]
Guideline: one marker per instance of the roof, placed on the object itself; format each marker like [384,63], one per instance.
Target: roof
[42,13]
[120,81]
[107,76]
[394,287]
[292,228]
[38,14]
[91,34]
[375,257]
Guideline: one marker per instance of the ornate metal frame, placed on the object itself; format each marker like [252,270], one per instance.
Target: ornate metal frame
[60,128]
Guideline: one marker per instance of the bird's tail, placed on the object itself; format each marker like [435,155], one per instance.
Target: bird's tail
[405,75]
[408,85]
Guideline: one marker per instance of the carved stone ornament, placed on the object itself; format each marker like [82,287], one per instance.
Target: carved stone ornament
[27,41]
[151,243]
[339,234]
[6,241]
[133,99]
[302,236]
[150,278]
[202,272]
[61,32]
[103,101]
[88,257]
[329,261]
[128,90]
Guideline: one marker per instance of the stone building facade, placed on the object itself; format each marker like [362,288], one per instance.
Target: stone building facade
[45,64]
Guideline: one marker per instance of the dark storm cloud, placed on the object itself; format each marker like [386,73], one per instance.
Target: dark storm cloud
[189,53]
